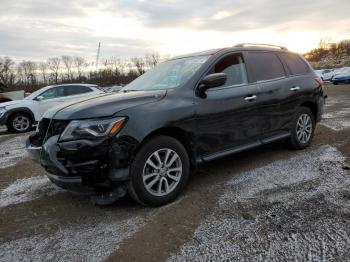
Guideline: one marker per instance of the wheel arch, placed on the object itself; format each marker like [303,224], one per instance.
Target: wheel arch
[312,106]
[179,134]
[23,110]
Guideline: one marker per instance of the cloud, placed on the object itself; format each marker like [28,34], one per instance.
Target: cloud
[233,15]
[39,28]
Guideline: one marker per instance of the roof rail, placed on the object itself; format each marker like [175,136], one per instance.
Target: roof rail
[268,45]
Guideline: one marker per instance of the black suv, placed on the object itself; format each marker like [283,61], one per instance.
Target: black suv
[146,139]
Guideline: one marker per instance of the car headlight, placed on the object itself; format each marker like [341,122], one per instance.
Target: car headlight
[2,111]
[92,129]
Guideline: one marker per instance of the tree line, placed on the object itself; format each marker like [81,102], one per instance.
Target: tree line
[327,48]
[29,75]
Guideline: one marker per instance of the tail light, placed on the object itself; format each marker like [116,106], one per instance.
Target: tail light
[320,82]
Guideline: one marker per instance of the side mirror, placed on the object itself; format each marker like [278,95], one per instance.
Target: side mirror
[211,81]
[39,98]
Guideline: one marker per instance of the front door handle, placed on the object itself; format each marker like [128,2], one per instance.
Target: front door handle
[295,88]
[250,98]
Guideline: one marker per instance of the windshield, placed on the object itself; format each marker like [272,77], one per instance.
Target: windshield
[169,74]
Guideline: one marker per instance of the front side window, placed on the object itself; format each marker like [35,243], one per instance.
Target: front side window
[167,75]
[234,67]
[267,66]
[54,92]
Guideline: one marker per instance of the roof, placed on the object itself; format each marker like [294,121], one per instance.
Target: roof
[239,47]
[74,84]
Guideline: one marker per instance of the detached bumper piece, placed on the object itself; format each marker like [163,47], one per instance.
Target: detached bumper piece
[80,166]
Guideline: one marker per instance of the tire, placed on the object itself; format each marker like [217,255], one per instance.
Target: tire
[301,135]
[335,83]
[173,166]
[19,123]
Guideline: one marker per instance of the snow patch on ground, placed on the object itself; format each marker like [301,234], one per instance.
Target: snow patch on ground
[12,150]
[82,242]
[296,209]
[337,119]
[27,189]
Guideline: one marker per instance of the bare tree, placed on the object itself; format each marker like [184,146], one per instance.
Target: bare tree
[68,64]
[27,72]
[7,75]
[152,59]
[139,63]
[54,65]
[79,64]
[43,68]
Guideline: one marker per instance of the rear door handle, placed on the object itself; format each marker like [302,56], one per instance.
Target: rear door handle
[250,98]
[295,88]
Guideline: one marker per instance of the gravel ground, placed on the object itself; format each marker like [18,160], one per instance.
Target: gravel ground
[12,150]
[269,203]
[296,209]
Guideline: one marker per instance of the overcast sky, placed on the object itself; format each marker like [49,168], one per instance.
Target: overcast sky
[37,29]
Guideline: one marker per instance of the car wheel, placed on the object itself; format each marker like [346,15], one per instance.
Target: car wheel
[19,123]
[303,128]
[159,171]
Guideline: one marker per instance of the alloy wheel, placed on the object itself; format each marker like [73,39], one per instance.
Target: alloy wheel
[304,128]
[21,123]
[162,172]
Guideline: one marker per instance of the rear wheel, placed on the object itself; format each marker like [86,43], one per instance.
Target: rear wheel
[303,128]
[19,123]
[159,171]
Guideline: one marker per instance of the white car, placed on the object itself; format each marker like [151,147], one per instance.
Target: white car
[19,115]
[325,74]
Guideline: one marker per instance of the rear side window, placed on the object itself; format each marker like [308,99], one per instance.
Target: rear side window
[266,66]
[234,67]
[76,90]
[295,64]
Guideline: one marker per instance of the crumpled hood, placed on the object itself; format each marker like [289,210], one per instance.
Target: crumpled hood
[103,105]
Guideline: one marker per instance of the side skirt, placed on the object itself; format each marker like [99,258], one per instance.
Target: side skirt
[238,149]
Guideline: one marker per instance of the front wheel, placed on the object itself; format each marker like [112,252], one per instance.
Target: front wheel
[159,171]
[303,128]
[19,123]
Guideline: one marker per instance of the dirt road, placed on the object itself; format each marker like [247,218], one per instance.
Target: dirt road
[269,203]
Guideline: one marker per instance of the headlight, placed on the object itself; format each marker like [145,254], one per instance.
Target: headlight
[2,111]
[92,129]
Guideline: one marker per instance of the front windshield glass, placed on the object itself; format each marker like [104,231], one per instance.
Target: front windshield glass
[169,74]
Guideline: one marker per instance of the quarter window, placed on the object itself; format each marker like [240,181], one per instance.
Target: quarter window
[266,66]
[295,64]
[234,67]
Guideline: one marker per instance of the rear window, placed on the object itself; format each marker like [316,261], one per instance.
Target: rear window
[266,66]
[295,64]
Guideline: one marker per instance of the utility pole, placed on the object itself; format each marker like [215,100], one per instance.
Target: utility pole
[98,54]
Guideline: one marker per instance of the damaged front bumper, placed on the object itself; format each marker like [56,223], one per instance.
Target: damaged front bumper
[83,166]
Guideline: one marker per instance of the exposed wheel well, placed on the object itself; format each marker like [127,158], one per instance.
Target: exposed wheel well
[179,135]
[313,107]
